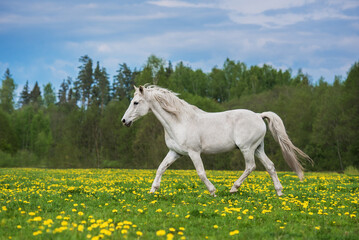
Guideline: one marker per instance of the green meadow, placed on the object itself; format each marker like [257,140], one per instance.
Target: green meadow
[116,204]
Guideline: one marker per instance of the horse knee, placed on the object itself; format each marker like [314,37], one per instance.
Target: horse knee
[250,168]
[202,175]
[271,169]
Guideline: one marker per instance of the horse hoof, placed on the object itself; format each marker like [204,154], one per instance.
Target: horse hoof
[233,190]
[279,193]
[153,190]
[213,194]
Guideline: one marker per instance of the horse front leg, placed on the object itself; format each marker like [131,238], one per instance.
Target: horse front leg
[170,158]
[198,164]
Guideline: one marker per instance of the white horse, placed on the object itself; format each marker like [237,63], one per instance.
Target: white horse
[191,131]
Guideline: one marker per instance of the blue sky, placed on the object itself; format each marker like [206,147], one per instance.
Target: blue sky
[42,40]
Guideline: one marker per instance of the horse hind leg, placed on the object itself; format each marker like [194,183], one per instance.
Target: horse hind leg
[250,166]
[268,164]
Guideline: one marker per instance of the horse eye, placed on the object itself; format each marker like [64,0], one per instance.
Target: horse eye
[136,103]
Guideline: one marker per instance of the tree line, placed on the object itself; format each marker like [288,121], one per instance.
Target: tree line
[79,125]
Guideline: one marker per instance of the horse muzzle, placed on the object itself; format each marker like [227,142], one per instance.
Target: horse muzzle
[127,124]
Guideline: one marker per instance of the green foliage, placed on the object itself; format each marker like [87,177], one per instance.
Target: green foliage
[7,92]
[49,95]
[8,138]
[350,170]
[83,128]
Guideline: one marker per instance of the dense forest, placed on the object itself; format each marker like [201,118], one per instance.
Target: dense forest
[79,125]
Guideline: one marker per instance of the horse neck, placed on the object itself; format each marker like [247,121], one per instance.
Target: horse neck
[167,120]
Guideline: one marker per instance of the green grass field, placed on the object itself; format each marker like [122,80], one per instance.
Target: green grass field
[116,204]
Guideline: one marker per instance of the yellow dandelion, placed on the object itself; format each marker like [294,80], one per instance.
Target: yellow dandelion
[235,232]
[64,223]
[37,219]
[170,236]
[160,233]
[37,233]
[138,233]
[80,228]
[106,232]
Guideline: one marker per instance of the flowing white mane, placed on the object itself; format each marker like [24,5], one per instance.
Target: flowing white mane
[169,101]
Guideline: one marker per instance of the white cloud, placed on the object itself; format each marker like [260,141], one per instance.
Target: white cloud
[344,4]
[264,13]
[126,18]
[259,6]
[269,21]
[61,69]
[180,4]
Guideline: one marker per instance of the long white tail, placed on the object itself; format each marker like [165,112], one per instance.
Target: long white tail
[289,151]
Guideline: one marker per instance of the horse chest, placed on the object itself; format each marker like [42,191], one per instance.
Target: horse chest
[174,145]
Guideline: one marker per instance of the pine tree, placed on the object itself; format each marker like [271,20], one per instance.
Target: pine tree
[123,82]
[7,92]
[62,94]
[49,95]
[25,95]
[85,80]
[35,96]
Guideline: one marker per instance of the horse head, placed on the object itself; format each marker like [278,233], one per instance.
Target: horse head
[138,107]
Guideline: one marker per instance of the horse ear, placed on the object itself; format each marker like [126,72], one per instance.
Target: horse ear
[136,88]
[141,89]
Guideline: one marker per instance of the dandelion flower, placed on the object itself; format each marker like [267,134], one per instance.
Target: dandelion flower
[80,228]
[170,236]
[233,232]
[160,233]
[37,233]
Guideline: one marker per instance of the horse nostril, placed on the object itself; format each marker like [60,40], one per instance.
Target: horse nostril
[123,120]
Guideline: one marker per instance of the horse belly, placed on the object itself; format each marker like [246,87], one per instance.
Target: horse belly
[217,140]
